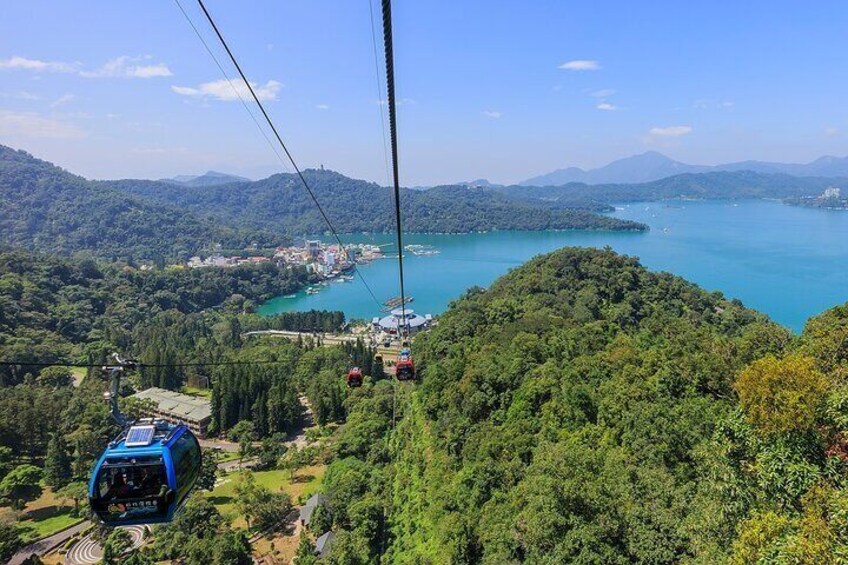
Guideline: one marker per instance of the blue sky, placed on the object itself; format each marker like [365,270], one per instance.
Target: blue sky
[502,90]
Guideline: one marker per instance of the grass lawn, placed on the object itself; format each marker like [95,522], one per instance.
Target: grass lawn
[225,456]
[47,499]
[284,547]
[204,392]
[43,527]
[79,375]
[306,481]
[48,515]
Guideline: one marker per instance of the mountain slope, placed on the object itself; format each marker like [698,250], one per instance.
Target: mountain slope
[210,178]
[638,168]
[45,208]
[713,185]
[653,166]
[281,204]
[571,413]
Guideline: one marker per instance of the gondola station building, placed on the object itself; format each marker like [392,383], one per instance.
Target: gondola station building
[389,324]
[176,408]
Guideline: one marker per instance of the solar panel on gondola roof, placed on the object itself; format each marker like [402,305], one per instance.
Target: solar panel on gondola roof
[140,436]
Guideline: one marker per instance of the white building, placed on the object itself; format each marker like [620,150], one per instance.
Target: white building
[390,323]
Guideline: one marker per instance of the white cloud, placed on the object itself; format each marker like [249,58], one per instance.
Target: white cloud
[606,106]
[401,102]
[322,107]
[227,92]
[670,131]
[831,131]
[709,104]
[23,63]
[127,67]
[20,95]
[62,100]
[603,93]
[30,124]
[493,114]
[580,65]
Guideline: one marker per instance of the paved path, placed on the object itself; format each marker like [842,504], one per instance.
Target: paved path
[326,339]
[44,545]
[88,552]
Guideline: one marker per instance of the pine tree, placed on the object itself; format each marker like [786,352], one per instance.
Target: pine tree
[57,463]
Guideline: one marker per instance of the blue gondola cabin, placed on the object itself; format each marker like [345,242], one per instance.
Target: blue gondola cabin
[145,475]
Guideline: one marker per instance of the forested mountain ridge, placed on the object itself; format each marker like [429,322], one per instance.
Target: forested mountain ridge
[281,204]
[651,166]
[712,185]
[586,410]
[45,208]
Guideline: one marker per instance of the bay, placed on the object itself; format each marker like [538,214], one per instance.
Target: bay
[789,262]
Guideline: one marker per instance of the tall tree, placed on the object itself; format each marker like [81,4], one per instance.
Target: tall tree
[57,463]
[21,485]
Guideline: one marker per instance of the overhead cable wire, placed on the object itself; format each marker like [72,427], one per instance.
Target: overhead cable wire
[232,86]
[390,89]
[134,364]
[379,91]
[282,144]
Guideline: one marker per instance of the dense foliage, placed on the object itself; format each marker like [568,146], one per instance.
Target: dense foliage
[585,410]
[279,203]
[54,309]
[46,208]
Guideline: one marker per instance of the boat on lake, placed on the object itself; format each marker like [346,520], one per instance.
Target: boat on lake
[394,302]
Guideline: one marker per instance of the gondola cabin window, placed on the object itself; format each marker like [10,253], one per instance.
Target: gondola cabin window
[186,456]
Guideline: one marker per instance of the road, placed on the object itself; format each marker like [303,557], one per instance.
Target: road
[42,546]
[326,339]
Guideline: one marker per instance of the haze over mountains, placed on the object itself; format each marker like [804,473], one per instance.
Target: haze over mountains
[209,178]
[652,165]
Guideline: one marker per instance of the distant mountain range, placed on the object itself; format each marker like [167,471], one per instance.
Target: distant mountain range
[702,186]
[652,166]
[45,208]
[210,178]
[280,203]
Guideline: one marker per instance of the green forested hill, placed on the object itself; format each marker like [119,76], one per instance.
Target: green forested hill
[280,203]
[586,410]
[55,309]
[45,208]
[715,185]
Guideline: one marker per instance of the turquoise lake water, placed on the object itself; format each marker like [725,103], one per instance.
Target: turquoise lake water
[788,262]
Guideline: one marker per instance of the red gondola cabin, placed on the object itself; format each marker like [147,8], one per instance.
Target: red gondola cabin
[354,377]
[405,369]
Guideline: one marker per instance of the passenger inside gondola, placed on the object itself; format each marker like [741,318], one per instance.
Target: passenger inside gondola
[129,488]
